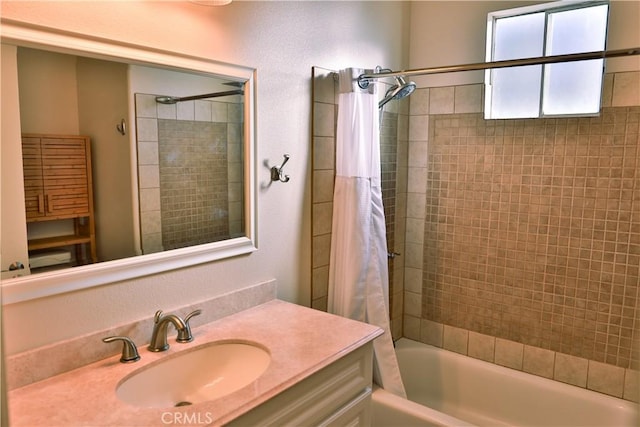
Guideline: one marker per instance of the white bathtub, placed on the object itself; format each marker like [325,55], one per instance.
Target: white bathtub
[448,389]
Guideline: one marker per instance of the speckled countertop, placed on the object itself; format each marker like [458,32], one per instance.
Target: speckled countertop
[301,341]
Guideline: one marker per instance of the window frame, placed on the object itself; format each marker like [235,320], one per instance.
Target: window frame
[547,9]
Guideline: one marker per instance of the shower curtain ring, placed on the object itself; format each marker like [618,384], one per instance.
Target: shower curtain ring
[276,172]
[363,82]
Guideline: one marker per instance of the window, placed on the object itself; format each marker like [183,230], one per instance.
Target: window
[558,28]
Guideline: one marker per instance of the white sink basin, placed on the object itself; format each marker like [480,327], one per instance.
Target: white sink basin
[204,373]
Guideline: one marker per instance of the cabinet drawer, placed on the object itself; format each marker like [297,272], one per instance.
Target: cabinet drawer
[316,400]
[354,414]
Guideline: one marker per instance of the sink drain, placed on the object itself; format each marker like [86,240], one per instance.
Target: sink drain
[183,403]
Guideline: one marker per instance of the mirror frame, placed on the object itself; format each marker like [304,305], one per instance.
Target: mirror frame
[56,282]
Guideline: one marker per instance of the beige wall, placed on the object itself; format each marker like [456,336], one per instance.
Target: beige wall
[282,40]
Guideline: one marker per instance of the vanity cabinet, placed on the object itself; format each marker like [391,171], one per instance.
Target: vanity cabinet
[58,186]
[338,395]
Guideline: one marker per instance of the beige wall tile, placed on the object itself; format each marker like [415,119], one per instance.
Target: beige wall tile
[607,90]
[168,111]
[509,353]
[147,130]
[319,304]
[322,213]
[150,200]
[146,106]
[419,102]
[402,176]
[626,89]
[148,153]
[413,255]
[397,306]
[148,176]
[468,99]
[203,111]
[571,370]
[414,230]
[455,339]
[632,385]
[223,112]
[323,181]
[186,110]
[411,327]
[324,149]
[605,378]
[412,304]
[415,205]
[413,280]
[321,250]
[403,127]
[431,333]
[151,243]
[441,100]
[235,112]
[323,119]
[538,361]
[396,328]
[417,182]
[320,282]
[481,346]
[418,128]
[324,86]
[418,154]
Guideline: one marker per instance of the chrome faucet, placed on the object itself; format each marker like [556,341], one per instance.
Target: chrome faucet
[161,324]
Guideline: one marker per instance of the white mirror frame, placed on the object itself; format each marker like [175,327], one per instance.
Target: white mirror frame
[57,282]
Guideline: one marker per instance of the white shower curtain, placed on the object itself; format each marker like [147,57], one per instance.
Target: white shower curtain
[358,275]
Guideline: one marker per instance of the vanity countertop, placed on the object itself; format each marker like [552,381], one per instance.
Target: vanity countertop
[301,341]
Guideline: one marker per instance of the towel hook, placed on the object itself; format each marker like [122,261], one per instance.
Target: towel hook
[122,127]
[276,172]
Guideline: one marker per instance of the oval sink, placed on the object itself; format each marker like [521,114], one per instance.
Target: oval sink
[205,373]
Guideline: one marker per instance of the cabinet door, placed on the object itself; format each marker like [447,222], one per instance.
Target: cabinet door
[64,173]
[33,183]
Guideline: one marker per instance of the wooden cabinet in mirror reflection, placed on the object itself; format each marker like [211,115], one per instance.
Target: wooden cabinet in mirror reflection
[58,200]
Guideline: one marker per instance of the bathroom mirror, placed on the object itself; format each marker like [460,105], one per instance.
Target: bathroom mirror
[149,73]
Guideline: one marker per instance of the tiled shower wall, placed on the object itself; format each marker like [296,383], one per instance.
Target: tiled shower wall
[193,182]
[393,168]
[523,236]
[520,239]
[190,172]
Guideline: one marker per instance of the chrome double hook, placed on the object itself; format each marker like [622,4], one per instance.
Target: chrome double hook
[276,172]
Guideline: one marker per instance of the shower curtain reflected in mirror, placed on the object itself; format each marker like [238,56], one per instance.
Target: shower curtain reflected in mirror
[358,275]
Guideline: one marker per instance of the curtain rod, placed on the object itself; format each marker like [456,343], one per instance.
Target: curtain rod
[365,79]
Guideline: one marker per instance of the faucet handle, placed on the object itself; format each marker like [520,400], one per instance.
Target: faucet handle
[129,349]
[184,335]
[157,316]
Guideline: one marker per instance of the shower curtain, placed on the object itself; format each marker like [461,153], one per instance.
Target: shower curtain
[358,275]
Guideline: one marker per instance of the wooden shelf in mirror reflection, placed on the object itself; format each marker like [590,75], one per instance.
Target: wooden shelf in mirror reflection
[58,186]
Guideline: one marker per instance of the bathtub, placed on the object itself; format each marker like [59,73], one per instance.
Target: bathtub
[448,389]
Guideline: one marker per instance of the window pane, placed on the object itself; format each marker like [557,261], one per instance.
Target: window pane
[565,88]
[575,87]
[515,92]
[518,37]
[578,30]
